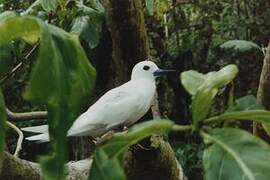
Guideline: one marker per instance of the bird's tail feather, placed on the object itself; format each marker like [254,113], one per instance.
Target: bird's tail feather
[41,138]
[37,129]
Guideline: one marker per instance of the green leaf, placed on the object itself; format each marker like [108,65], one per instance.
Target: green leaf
[204,87]
[62,79]
[236,155]
[49,5]
[6,14]
[149,7]
[3,118]
[246,103]
[104,168]
[192,80]
[120,142]
[246,108]
[239,47]
[87,30]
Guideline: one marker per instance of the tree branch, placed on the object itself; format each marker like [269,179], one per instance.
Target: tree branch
[16,168]
[20,139]
[26,115]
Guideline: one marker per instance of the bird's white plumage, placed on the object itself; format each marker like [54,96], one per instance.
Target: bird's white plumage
[121,106]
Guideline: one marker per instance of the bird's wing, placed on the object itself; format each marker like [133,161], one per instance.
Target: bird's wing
[112,109]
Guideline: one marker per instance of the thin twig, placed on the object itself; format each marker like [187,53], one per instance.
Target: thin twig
[20,139]
[19,66]
[27,115]
[16,68]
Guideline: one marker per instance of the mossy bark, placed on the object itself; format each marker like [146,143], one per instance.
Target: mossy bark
[14,168]
[155,161]
[125,22]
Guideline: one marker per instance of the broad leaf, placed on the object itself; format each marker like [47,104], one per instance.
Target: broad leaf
[3,118]
[239,47]
[115,148]
[204,88]
[192,80]
[62,79]
[235,155]
[87,30]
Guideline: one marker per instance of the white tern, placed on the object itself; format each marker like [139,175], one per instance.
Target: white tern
[119,107]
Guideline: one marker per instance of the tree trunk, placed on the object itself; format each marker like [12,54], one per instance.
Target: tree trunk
[263,94]
[125,21]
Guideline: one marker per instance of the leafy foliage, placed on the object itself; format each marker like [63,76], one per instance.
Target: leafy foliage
[235,154]
[58,84]
[239,47]
[113,150]
[89,24]
[204,88]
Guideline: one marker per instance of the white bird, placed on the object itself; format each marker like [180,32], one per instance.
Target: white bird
[119,107]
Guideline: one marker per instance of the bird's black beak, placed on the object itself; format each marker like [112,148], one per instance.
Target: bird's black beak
[161,72]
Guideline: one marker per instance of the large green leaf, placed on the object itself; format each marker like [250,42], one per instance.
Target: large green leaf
[204,87]
[246,108]
[235,154]
[62,79]
[114,149]
[239,47]
[3,118]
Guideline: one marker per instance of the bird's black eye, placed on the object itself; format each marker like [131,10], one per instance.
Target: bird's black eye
[146,68]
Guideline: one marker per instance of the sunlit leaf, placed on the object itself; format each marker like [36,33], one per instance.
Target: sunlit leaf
[204,87]
[62,79]
[236,155]
[120,142]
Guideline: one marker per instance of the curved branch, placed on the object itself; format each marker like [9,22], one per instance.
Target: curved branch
[27,115]
[20,139]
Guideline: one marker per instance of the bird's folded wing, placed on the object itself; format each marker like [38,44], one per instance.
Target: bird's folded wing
[112,109]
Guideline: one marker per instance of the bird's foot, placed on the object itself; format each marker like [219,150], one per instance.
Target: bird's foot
[104,138]
[125,129]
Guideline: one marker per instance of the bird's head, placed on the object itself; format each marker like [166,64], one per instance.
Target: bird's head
[148,70]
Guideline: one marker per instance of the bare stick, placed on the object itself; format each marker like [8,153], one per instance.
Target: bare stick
[20,139]
[27,115]
[18,66]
